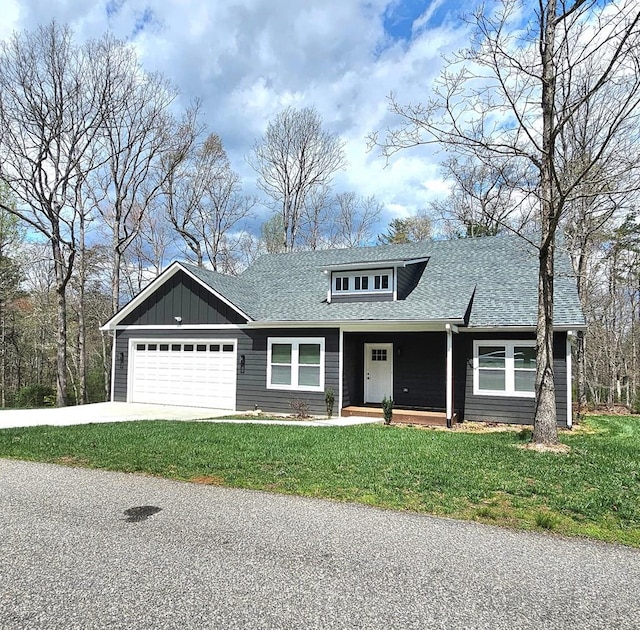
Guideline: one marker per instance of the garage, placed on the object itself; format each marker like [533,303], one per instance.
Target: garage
[195,373]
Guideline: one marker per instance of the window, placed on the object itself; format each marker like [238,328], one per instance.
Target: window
[296,364]
[504,368]
[355,282]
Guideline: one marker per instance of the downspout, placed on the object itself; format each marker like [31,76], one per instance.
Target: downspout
[340,371]
[449,330]
[569,368]
[113,364]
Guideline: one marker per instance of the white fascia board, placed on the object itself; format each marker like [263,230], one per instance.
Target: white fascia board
[491,329]
[167,274]
[182,327]
[365,326]
[374,264]
[378,264]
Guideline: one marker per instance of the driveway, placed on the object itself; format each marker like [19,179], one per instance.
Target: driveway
[94,549]
[129,412]
[102,412]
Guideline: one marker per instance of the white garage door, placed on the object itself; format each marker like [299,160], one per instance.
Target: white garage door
[192,373]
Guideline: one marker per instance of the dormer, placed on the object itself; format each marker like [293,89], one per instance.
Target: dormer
[375,281]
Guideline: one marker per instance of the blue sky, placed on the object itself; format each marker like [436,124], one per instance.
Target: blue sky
[248,59]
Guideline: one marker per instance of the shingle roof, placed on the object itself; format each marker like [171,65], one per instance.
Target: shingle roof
[494,278]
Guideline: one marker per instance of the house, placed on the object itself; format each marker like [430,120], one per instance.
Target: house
[446,326]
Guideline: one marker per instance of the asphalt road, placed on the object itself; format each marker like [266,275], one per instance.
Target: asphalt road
[77,552]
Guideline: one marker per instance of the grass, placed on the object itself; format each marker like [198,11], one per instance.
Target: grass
[593,491]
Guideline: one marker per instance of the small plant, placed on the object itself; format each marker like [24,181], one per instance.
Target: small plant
[387,409]
[300,408]
[329,399]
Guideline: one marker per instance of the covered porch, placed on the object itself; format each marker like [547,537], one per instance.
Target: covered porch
[413,367]
[401,416]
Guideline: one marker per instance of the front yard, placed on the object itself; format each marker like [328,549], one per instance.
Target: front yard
[594,490]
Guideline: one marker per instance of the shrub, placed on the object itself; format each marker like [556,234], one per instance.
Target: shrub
[387,409]
[300,408]
[329,399]
[35,396]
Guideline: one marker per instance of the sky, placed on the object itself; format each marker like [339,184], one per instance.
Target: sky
[248,59]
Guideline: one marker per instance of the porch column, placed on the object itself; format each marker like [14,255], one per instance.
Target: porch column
[449,330]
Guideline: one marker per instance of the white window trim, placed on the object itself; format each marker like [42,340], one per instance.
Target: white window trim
[509,367]
[295,345]
[369,273]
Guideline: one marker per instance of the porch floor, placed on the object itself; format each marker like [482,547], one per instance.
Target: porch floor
[402,416]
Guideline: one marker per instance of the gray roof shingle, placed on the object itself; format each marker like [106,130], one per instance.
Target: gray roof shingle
[496,276]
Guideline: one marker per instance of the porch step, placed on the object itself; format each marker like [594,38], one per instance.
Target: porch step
[402,416]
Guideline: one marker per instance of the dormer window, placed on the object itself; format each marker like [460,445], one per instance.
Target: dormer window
[353,283]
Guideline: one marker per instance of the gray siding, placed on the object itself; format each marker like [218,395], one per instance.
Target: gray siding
[503,408]
[408,278]
[181,296]
[419,367]
[251,384]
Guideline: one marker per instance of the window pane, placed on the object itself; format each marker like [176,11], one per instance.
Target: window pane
[188,347]
[175,347]
[201,347]
[309,354]
[214,347]
[152,346]
[356,282]
[227,347]
[338,284]
[365,283]
[345,284]
[376,282]
[491,356]
[141,346]
[385,282]
[524,357]
[525,381]
[309,376]
[281,353]
[281,375]
[491,379]
[164,347]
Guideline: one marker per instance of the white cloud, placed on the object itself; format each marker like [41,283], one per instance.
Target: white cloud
[247,59]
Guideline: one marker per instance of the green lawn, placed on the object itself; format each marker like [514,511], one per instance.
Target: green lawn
[594,490]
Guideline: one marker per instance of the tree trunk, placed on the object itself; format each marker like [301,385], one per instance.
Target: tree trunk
[106,366]
[61,357]
[82,333]
[545,430]
[115,277]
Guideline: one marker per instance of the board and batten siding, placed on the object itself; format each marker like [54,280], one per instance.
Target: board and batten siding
[517,410]
[251,388]
[181,296]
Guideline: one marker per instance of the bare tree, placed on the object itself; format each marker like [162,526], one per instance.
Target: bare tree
[135,136]
[354,219]
[52,105]
[483,200]
[511,95]
[205,204]
[294,157]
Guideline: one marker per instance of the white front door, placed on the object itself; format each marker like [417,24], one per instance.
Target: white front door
[378,372]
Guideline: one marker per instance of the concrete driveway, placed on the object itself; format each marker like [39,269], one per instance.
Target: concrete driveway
[129,412]
[93,549]
[103,412]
